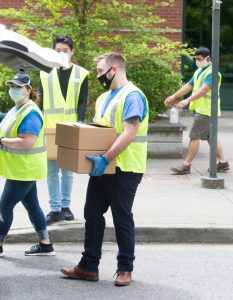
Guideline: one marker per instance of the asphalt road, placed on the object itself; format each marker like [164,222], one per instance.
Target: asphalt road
[162,272]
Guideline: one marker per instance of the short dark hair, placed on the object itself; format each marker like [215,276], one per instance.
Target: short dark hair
[112,58]
[64,39]
[203,51]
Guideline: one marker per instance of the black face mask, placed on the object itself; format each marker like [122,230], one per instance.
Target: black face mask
[105,81]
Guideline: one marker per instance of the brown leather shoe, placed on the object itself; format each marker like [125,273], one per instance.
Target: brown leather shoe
[78,273]
[123,278]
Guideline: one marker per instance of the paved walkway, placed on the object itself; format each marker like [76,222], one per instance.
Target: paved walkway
[167,207]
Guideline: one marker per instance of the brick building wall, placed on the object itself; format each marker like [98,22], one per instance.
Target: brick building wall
[8,4]
[173,15]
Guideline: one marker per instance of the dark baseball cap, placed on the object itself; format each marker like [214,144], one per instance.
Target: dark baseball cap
[21,80]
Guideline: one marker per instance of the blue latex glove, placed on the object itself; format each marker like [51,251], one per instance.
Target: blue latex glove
[99,164]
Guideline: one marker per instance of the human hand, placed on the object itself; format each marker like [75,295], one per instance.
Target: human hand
[182,104]
[169,101]
[99,164]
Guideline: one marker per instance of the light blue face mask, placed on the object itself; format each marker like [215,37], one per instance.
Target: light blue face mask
[16,94]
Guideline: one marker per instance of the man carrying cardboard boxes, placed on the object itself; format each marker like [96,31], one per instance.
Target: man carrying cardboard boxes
[63,97]
[125,108]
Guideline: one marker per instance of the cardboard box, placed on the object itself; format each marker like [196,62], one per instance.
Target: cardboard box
[75,141]
[51,147]
[84,136]
[75,160]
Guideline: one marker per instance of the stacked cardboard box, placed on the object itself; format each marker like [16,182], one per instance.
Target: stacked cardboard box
[51,147]
[75,141]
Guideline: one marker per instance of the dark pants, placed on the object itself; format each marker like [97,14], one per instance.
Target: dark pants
[25,191]
[118,192]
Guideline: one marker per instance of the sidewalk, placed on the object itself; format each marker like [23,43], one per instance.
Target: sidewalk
[167,208]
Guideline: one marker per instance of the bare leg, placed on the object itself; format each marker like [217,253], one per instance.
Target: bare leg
[219,152]
[192,151]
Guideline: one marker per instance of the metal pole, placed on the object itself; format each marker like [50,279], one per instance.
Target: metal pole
[212,181]
[214,91]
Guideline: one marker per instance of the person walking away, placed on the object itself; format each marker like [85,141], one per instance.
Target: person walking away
[125,108]
[23,162]
[62,98]
[200,103]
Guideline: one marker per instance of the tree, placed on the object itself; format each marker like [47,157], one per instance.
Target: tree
[199,27]
[103,26]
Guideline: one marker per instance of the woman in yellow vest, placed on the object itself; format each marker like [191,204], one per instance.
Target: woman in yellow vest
[22,162]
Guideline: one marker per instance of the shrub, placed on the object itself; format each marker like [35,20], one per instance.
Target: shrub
[101,26]
[6,74]
[5,101]
[156,81]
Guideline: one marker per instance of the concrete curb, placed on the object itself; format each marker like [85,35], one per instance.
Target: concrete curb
[159,234]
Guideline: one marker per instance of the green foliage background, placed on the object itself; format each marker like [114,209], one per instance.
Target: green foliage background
[199,29]
[102,26]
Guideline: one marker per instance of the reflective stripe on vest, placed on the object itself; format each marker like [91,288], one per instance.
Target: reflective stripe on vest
[202,79]
[52,109]
[126,89]
[9,132]
[59,109]
[203,104]
[133,158]
[22,164]
[24,151]
[9,129]
[138,139]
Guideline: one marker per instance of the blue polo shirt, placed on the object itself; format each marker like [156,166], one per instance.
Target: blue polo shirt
[207,81]
[32,123]
[135,104]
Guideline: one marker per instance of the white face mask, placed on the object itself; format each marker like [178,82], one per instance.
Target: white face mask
[16,94]
[202,64]
[65,59]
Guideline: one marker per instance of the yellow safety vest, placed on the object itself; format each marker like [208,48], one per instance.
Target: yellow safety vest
[55,107]
[133,158]
[22,164]
[203,104]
